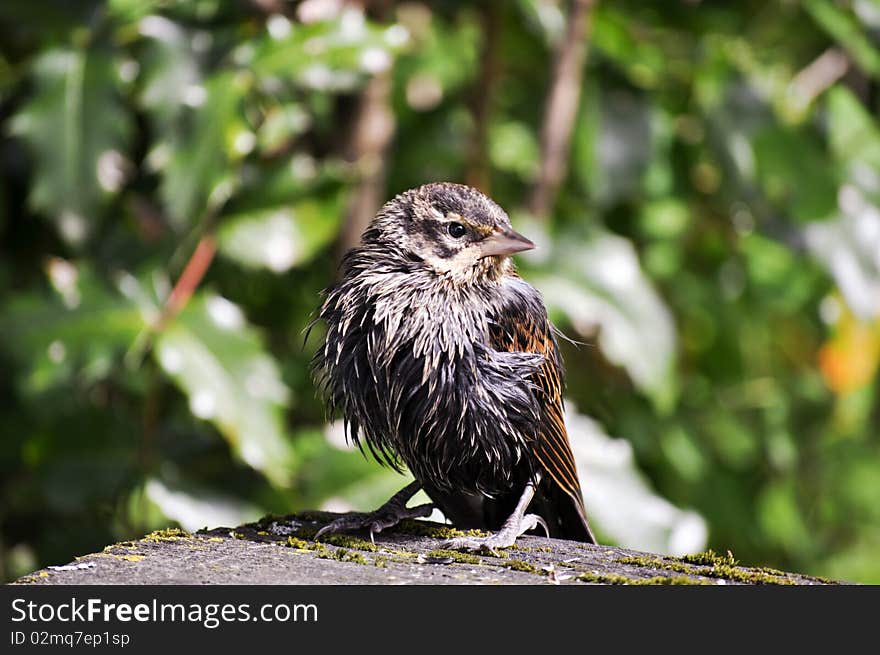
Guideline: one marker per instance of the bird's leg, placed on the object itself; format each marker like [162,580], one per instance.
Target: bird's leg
[516,524]
[391,513]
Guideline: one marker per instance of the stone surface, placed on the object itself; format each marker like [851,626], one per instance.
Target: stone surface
[281,550]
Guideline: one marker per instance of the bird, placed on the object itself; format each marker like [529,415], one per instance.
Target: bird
[441,359]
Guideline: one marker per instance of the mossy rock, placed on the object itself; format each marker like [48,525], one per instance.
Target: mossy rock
[282,550]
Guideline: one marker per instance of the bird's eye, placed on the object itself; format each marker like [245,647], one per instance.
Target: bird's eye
[456,230]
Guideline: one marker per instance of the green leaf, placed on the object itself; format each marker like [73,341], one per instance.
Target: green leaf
[683,455]
[447,55]
[632,49]
[584,157]
[853,133]
[83,332]
[220,362]
[844,28]
[202,154]
[194,506]
[75,127]
[328,55]
[514,148]
[129,11]
[600,285]
[858,560]
[547,17]
[170,77]
[665,218]
[781,517]
[795,172]
[282,237]
[282,124]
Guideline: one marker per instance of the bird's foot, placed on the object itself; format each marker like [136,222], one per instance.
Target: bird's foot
[504,538]
[390,514]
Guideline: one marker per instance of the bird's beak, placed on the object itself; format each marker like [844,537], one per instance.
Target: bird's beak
[504,242]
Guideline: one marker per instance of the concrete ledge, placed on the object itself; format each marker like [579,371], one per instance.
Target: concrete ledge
[281,550]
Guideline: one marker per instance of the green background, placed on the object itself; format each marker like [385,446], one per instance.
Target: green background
[715,244]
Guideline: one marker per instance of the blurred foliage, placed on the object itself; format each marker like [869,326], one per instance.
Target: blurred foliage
[716,243]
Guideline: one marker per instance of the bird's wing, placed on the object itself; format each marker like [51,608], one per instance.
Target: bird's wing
[524,327]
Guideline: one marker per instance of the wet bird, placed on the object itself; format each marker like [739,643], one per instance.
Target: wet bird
[440,357]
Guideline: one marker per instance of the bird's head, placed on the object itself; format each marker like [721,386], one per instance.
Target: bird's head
[454,229]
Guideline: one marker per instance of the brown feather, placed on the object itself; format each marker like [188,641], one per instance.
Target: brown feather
[519,333]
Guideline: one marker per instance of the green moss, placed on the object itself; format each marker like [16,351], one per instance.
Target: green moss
[709,558]
[464,558]
[750,576]
[130,558]
[348,541]
[525,567]
[299,544]
[603,578]
[342,555]
[820,578]
[668,580]
[121,544]
[169,534]
[26,579]
[639,561]
[771,571]
[238,535]
[321,551]
[530,549]
[720,568]
[339,554]
[777,572]
[656,563]
[615,579]
[424,529]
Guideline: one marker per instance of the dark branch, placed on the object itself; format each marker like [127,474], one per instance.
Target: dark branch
[561,109]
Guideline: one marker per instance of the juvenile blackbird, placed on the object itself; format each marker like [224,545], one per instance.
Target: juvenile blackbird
[441,357]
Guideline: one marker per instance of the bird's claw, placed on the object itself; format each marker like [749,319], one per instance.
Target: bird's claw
[375,522]
[504,538]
